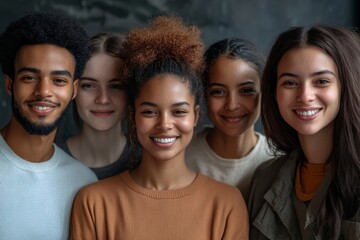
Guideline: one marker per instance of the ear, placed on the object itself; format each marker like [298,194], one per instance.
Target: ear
[8,84]
[76,87]
[197,114]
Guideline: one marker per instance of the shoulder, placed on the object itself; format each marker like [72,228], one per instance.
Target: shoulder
[263,145]
[222,190]
[272,166]
[266,173]
[102,189]
[277,169]
[227,198]
[71,166]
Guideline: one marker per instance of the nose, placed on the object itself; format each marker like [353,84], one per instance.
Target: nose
[102,96]
[43,89]
[164,122]
[232,102]
[305,93]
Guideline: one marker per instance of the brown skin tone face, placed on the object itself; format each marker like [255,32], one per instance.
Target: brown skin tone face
[41,91]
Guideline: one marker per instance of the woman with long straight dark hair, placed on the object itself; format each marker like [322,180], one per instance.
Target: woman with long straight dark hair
[310,111]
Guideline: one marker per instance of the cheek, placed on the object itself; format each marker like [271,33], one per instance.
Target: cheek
[333,101]
[143,125]
[83,99]
[64,94]
[251,103]
[214,105]
[187,125]
[22,92]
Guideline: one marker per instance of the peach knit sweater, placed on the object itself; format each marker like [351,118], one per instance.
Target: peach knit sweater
[118,209]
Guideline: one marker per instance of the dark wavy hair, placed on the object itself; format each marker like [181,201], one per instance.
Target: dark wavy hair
[43,28]
[233,48]
[166,46]
[343,46]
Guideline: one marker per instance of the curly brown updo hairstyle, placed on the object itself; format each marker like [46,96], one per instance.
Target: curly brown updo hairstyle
[167,45]
[164,37]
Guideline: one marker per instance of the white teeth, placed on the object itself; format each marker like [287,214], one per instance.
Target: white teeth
[41,108]
[164,140]
[307,113]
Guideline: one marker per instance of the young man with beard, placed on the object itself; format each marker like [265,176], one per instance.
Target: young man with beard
[42,55]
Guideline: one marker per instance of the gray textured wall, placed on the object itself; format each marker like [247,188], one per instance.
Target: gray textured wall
[256,20]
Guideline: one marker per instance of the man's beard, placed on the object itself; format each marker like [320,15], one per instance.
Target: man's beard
[37,128]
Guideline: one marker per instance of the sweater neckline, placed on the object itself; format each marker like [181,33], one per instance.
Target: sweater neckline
[23,164]
[164,194]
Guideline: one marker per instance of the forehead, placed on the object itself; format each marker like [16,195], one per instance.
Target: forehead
[232,70]
[45,57]
[102,67]
[306,59]
[166,88]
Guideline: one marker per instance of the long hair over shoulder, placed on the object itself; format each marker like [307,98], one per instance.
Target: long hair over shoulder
[343,46]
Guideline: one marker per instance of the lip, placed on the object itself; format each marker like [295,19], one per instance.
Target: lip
[307,113]
[42,108]
[101,113]
[164,141]
[232,118]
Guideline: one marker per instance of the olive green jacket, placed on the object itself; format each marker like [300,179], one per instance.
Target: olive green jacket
[275,212]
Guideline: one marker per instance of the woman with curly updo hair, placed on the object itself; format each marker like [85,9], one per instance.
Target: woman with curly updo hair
[160,198]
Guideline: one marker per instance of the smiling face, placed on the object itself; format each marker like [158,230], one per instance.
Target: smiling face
[165,117]
[42,88]
[308,90]
[101,99]
[233,96]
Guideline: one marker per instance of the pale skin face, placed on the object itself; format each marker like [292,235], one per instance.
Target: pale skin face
[308,90]
[165,116]
[233,96]
[101,99]
[43,84]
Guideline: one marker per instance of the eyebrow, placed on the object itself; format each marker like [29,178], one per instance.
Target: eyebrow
[239,85]
[95,80]
[37,71]
[155,105]
[287,74]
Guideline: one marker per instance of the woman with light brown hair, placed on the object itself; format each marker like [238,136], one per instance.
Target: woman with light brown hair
[100,110]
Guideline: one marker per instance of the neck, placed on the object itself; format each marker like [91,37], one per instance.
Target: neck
[232,147]
[163,175]
[97,148]
[33,148]
[317,147]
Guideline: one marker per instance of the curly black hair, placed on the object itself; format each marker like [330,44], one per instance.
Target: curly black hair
[44,28]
